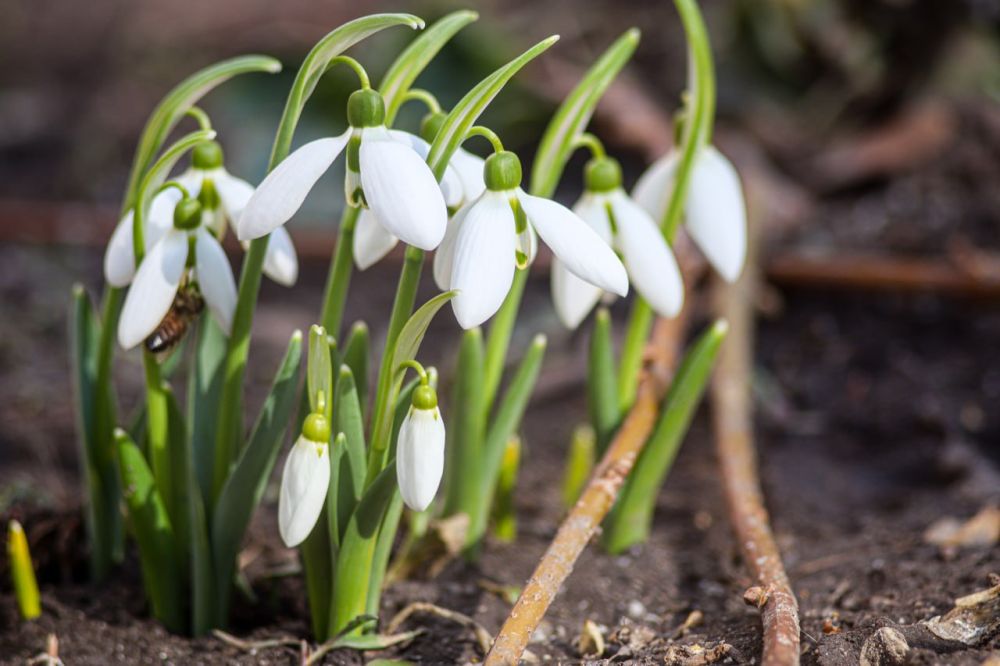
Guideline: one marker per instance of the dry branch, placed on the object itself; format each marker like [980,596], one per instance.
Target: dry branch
[597,499]
[732,420]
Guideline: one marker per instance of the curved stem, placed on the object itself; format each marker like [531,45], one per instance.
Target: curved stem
[425,96]
[173,183]
[488,134]
[415,365]
[592,143]
[356,66]
[204,122]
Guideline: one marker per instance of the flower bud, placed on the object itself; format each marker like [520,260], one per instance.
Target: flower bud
[305,481]
[420,450]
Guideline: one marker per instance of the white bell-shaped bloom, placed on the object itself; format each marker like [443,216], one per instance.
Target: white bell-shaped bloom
[483,246]
[373,241]
[715,211]
[304,484]
[119,257]
[420,456]
[650,264]
[385,173]
[161,274]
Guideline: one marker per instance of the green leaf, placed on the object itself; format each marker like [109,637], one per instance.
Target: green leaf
[579,464]
[571,119]
[375,641]
[505,424]
[357,355]
[602,384]
[412,61]
[248,476]
[383,549]
[630,521]
[316,63]
[347,478]
[466,427]
[102,516]
[153,533]
[354,562]
[204,389]
[180,465]
[463,116]
[177,102]
[413,332]
[319,370]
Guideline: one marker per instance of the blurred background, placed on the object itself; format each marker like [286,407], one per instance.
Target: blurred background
[867,134]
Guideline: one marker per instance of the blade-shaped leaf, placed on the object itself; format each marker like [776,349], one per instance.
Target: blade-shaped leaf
[463,116]
[153,533]
[466,427]
[630,521]
[415,57]
[316,63]
[177,102]
[505,424]
[357,355]
[204,389]
[319,370]
[248,476]
[574,113]
[180,466]
[347,477]
[602,384]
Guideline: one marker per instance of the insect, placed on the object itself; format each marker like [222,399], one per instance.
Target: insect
[187,305]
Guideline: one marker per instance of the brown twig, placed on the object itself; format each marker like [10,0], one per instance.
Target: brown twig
[732,417]
[483,637]
[597,499]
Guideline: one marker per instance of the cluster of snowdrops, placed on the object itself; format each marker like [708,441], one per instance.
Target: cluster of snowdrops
[190,478]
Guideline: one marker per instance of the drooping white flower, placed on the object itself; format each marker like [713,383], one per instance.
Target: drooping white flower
[420,450]
[304,481]
[488,238]
[165,268]
[622,223]
[223,197]
[462,182]
[715,212]
[385,174]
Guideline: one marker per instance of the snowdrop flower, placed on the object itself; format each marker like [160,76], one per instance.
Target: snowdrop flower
[186,245]
[491,236]
[715,212]
[420,449]
[385,175]
[223,198]
[462,182]
[305,481]
[622,223]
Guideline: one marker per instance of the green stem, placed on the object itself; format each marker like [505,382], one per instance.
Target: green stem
[498,341]
[424,96]
[488,134]
[200,117]
[591,143]
[157,431]
[338,280]
[354,65]
[640,322]
[230,402]
[402,308]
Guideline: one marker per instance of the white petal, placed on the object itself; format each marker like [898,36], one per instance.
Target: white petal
[215,278]
[649,260]
[281,194]
[119,258]
[483,263]
[575,298]
[469,168]
[281,264]
[152,292]
[578,246]
[716,213]
[444,256]
[402,192]
[191,181]
[371,241]
[420,457]
[653,189]
[234,193]
[451,185]
[304,483]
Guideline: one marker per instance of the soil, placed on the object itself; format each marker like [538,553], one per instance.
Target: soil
[876,418]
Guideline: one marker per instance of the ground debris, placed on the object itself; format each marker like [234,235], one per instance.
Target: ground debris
[886,647]
[590,643]
[696,655]
[950,534]
[974,619]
